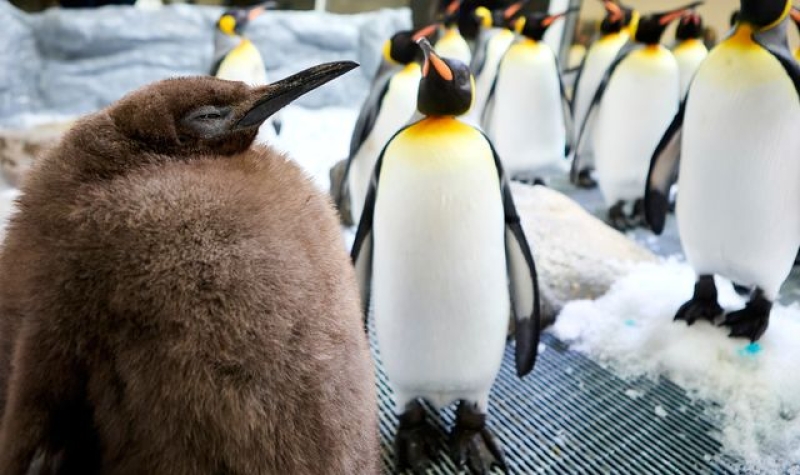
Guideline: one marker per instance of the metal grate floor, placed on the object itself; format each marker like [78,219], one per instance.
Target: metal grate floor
[571,416]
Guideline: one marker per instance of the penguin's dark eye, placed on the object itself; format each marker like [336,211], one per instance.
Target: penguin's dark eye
[210,116]
[207,121]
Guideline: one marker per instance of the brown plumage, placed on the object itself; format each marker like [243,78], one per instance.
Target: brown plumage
[177,300]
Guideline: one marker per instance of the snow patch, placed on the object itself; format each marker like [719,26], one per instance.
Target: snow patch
[631,330]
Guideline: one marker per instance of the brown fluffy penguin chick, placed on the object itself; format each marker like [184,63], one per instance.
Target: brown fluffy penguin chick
[176,300]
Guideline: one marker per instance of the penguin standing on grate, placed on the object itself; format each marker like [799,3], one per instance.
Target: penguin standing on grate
[437,245]
[737,207]
[631,109]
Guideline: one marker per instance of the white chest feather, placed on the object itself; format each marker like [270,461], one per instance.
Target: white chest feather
[598,59]
[397,107]
[244,63]
[527,124]
[453,45]
[439,285]
[638,106]
[739,196]
[689,54]
[495,49]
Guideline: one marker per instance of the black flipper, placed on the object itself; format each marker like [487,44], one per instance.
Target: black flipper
[663,173]
[361,254]
[364,124]
[591,112]
[776,43]
[566,105]
[577,81]
[523,282]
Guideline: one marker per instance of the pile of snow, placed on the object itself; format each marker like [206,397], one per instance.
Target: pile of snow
[757,386]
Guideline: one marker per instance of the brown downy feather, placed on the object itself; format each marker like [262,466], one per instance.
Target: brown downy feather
[172,303]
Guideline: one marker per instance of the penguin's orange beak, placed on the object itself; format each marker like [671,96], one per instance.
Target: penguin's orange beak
[433,59]
[513,9]
[549,20]
[675,14]
[614,10]
[453,7]
[795,14]
[425,32]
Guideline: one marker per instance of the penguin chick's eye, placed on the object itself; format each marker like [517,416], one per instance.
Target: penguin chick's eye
[208,121]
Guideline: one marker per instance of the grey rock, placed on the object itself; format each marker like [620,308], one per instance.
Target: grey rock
[71,62]
[577,255]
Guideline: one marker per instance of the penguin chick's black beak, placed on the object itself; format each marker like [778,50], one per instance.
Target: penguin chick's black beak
[279,94]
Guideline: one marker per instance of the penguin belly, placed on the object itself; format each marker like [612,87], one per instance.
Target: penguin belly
[598,59]
[638,106]
[453,45]
[496,47]
[689,54]
[397,108]
[527,124]
[738,204]
[439,284]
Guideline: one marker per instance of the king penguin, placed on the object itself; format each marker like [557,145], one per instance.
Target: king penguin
[441,256]
[237,59]
[615,31]
[689,50]
[795,13]
[494,39]
[451,44]
[737,209]
[160,306]
[388,108]
[632,107]
[527,113]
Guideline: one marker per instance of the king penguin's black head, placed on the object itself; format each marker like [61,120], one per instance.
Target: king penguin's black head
[535,25]
[234,21]
[614,21]
[764,14]
[651,27]
[690,27]
[446,84]
[402,47]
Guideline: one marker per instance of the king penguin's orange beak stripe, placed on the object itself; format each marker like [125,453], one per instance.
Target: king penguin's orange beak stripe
[453,7]
[795,13]
[613,9]
[440,66]
[427,31]
[254,13]
[549,20]
[669,17]
[513,9]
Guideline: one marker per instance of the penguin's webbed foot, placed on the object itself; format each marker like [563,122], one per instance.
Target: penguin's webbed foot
[703,305]
[585,180]
[472,444]
[617,218]
[415,442]
[751,321]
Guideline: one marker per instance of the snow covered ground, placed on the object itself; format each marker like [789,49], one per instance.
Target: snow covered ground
[754,388]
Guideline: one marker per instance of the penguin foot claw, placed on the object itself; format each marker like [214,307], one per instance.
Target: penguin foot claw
[416,441]
[617,218]
[703,305]
[472,444]
[752,321]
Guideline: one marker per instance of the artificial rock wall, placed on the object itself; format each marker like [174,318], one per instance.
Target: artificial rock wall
[71,62]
